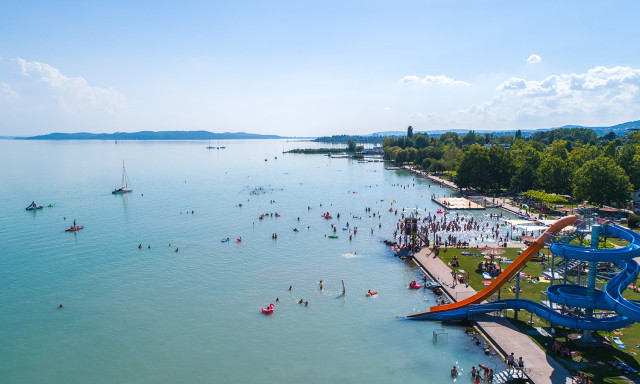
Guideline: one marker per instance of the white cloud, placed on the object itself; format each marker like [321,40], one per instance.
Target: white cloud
[600,95]
[8,94]
[534,59]
[73,93]
[434,80]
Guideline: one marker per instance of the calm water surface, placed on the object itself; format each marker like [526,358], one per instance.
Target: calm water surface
[159,316]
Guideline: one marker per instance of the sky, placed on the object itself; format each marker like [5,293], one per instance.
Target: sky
[313,68]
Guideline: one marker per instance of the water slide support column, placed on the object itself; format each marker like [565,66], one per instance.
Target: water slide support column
[591,283]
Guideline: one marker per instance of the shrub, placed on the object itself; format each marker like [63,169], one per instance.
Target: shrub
[633,221]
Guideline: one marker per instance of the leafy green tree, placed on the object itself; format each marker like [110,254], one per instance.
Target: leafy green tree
[450,157]
[401,156]
[525,178]
[602,181]
[518,135]
[469,138]
[558,148]
[625,157]
[556,174]
[581,155]
[421,141]
[410,131]
[451,137]
[610,151]
[500,167]
[634,171]
[351,146]
[426,164]
[473,168]
[437,166]
[411,154]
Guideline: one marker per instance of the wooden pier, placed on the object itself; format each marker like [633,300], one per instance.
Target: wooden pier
[457,203]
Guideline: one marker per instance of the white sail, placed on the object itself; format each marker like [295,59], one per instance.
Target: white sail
[125,182]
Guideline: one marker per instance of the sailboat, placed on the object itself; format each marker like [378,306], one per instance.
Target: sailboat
[209,146]
[125,183]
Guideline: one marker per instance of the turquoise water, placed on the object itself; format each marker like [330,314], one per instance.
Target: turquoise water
[159,316]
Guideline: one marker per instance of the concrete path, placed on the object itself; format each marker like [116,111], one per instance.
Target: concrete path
[544,369]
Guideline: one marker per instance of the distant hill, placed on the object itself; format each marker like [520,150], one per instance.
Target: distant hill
[619,129]
[151,135]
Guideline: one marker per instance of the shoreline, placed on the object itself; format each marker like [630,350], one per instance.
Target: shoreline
[499,333]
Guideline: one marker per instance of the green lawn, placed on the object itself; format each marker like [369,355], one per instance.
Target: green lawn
[591,360]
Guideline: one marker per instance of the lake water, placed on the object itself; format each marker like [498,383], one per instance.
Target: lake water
[159,316]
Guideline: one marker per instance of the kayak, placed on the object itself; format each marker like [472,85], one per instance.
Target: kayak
[332,237]
[73,229]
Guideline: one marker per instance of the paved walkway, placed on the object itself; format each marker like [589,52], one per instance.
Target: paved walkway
[544,369]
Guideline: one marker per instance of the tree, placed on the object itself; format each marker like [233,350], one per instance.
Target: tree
[351,146]
[437,166]
[518,135]
[610,150]
[501,167]
[525,178]
[410,131]
[602,181]
[469,138]
[421,141]
[473,169]
[556,174]
[581,155]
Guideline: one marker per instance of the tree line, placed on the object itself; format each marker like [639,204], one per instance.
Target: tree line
[567,161]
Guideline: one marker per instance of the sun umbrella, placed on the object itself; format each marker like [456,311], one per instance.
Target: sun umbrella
[492,251]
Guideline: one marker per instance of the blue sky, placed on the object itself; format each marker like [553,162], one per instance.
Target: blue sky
[316,68]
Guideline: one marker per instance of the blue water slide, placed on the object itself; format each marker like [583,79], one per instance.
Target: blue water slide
[622,257]
[557,318]
[574,295]
[577,296]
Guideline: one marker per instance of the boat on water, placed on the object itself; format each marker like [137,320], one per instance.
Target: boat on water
[33,206]
[125,183]
[74,227]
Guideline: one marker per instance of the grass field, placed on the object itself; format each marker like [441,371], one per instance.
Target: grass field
[591,359]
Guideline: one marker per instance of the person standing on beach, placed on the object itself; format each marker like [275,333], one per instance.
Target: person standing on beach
[453,275]
[510,361]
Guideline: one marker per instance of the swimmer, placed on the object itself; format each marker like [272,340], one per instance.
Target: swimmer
[60,306]
[140,246]
[454,371]
[300,301]
[277,299]
[176,249]
[149,246]
[306,303]
[290,287]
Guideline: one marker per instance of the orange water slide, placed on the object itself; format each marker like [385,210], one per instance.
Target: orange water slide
[510,271]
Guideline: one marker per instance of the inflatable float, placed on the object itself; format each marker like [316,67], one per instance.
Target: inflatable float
[268,310]
[332,237]
[371,293]
[414,285]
